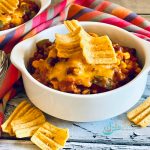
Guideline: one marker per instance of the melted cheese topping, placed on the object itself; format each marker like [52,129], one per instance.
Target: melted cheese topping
[85,73]
[5,19]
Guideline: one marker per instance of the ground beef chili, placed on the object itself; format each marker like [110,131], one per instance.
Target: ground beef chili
[126,68]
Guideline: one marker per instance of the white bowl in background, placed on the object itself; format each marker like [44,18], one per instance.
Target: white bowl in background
[83,108]
[43,4]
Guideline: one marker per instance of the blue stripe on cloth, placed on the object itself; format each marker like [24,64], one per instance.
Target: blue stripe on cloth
[8,37]
[80,13]
[130,17]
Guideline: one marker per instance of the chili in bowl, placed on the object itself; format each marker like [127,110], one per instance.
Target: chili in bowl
[62,74]
[82,106]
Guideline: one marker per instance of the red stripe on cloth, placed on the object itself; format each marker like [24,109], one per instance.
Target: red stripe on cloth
[43,26]
[138,20]
[1,116]
[85,3]
[147,28]
[115,21]
[2,37]
[79,2]
[11,77]
[60,7]
[62,15]
[74,9]
[141,35]
[44,16]
[38,29]
[144,32]
[39,19]
[89,16]
[36,21]
[103,5]
[12,42]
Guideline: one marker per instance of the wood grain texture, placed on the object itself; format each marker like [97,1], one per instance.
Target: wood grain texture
[138,6]
[27,145]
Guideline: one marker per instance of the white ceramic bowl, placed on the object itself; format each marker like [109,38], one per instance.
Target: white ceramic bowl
[43,4]
[83,108]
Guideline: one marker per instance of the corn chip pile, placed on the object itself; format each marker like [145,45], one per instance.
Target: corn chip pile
[28,121]
[95,49]
[141,114]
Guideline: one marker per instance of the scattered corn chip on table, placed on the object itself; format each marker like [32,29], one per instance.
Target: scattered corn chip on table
[116,133]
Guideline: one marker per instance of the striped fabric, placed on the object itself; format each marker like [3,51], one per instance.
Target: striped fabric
[82,10]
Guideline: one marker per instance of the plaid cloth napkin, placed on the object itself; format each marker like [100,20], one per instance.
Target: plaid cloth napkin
[82,10]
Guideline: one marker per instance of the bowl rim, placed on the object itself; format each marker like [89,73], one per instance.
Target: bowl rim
[6,31]
[84,96]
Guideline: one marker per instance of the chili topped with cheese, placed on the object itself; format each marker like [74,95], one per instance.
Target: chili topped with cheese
[75,75]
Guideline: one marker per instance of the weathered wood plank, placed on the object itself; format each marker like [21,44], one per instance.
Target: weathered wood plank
[117,130]
[147,88]
[138,6]
[27,145]
[17,145]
